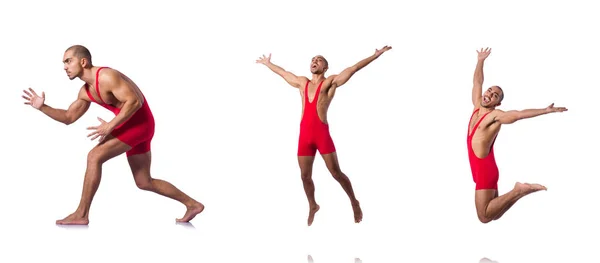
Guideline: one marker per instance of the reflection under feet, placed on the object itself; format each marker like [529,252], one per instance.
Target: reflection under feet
[358,260]
[76,227]
[186,224]
[487,260]
[310,259]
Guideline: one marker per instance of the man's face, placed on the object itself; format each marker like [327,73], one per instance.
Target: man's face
[491,97]
[318,65]
[72,65]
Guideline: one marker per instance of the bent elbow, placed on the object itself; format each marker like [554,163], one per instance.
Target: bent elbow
[136,104]
[68,121]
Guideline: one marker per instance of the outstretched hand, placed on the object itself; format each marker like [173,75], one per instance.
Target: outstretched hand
[33,99]
[102,130]
[483,53]
[551,109]
[378,52]
[264,59]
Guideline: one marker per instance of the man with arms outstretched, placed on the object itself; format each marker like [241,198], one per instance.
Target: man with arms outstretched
[483,128]
[317,94]
[130,132]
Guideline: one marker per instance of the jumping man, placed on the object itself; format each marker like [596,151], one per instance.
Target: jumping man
[483,129]
[317,94]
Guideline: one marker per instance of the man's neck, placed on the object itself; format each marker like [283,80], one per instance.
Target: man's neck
[316,78]
[485,110]
[89,75]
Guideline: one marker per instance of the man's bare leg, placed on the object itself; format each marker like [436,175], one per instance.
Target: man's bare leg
[140,167]
[306,166]
[510,204]
[490,206]
[333,165]
[108,149]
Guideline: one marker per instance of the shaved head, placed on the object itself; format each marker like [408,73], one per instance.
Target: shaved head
[492,97]
[76,60]
[501,93]
[318,65]
[324,60]
[80,52]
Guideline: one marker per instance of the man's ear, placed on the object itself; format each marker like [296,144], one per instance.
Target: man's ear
[84,62]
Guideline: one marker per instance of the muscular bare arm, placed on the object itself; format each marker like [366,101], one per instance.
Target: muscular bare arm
[346,74]
[478,76]
[289,77]
[124,94]
[69,116]
[510,117]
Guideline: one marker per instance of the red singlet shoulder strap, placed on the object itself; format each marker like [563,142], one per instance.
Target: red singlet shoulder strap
[98,86]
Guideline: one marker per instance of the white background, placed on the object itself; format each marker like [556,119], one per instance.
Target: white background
[227,131]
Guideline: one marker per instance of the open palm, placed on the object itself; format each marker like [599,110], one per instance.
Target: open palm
[264,59]
[483,53]
[33,99]
[378,52]
[551,108]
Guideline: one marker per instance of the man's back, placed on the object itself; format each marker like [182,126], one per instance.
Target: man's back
[111,83]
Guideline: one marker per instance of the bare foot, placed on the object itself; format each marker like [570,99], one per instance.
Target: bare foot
[191,212]
[73,219]
[537,187]
[311,213]
[525,188]
[358,215]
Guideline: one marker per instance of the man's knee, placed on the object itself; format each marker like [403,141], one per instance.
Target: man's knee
[106,150]
[482,216]
[96,156]
[306,174]
[336,173]
[144,184]
[483,198]
[484,219]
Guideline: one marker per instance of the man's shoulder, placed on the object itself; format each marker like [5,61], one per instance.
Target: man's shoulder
[108,75]
[107,71]
[303,80]
[495,112]
[82,94]
[493,117]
